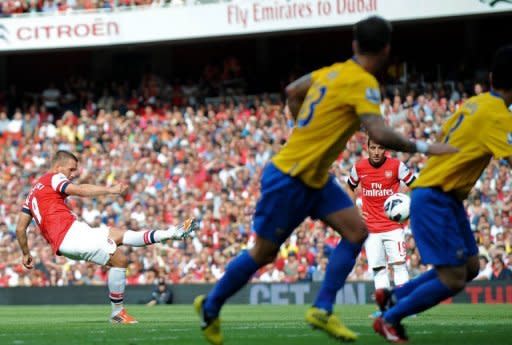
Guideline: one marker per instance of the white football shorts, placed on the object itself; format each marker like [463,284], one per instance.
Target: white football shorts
[385,248]
[85,243]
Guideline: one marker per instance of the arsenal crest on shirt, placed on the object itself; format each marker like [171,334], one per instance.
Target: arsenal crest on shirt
[388,173]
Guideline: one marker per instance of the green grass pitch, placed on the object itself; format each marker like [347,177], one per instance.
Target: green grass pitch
[267,325]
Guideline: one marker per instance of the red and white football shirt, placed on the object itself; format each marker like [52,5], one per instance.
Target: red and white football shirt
[45,203]
[377,184]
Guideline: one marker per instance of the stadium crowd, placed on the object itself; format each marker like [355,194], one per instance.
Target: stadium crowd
[14,7]
[184,158]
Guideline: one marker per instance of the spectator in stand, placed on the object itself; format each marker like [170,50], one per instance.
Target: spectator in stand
[51,98]
[499,270]
[415,267]
[478,89]
[4,122]
[50,6]
[14,7]
[485,271]
[15,126]
[319,272]
[291,268]
[33,6]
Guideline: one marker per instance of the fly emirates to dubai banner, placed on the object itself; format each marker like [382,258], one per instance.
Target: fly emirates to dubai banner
[238,17]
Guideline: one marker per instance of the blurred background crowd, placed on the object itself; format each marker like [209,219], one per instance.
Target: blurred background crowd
[16,7]
[183,156]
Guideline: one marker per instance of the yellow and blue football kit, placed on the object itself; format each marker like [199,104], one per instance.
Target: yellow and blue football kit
[480,129]
[327,120]
[297,183]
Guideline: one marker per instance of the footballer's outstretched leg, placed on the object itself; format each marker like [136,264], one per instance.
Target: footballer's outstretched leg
[148,237]
[117,274]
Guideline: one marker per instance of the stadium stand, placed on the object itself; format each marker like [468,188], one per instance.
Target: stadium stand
[184,156]
[19,7]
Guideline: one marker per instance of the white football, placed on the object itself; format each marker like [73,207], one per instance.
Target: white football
[397,207]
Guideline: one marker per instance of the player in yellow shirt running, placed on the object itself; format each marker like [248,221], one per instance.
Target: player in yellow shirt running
[480,129]
[329,106]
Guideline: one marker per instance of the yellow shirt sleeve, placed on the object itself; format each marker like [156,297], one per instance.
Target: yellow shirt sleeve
[498,136]
[319,73]
[366,96]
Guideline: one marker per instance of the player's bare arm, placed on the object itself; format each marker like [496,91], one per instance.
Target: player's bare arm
[21,234]
[89,190]
[387,137]
[296,91]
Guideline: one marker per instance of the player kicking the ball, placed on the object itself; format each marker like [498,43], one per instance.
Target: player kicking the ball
[380,177]
[76,240]
[329,106]
[480,129]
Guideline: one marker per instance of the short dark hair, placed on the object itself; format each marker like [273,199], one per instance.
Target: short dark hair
[63,155]
[372,34]
[371,139]
[502,68]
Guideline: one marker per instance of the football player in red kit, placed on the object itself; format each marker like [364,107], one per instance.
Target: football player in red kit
[380,177]
[77,240]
